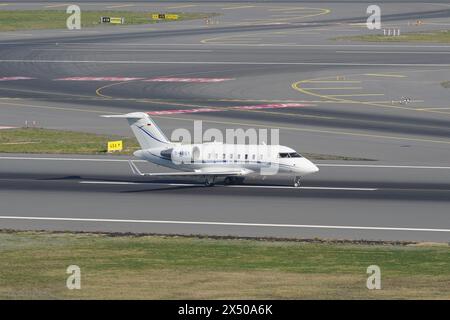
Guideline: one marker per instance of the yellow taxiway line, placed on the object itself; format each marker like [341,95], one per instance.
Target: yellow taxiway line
[297,86]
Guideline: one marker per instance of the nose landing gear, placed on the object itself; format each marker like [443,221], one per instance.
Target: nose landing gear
[297,181]
[228,180]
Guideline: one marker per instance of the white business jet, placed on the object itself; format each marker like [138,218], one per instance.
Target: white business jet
[211,160]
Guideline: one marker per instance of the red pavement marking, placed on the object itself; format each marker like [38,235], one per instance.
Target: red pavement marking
[14,78]
[256,107]
[193,80]
[98,79]
[165,112]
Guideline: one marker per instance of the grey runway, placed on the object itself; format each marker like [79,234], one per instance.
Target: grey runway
[353,92]
[351,200]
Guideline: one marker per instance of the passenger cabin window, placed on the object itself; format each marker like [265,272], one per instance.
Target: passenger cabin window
[231,156]
[246,157]
[253,157]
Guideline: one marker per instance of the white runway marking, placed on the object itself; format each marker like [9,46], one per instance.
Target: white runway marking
[227,186]
[218,223]
[139,183]
[110,45]
[182,6]
[380,166]
[398,52]
[122,50]
[67,159]
[143,161]
[350,64]
[237,7]
[305,188]
[120,6]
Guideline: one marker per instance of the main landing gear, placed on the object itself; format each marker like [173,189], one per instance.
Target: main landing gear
[297,181]
[233,180]
[210,181]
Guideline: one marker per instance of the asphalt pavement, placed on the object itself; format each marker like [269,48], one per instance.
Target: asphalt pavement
[378,101]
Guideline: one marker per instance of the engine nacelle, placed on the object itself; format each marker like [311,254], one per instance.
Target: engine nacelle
[183,154]
[167,154]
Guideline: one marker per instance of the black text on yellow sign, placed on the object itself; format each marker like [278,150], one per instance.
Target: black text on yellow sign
[115,146]
[165,16]
[112,20]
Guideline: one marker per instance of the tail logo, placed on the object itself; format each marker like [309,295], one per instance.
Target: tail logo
[151,136]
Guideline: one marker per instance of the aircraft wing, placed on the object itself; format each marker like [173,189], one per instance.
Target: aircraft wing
[199,173]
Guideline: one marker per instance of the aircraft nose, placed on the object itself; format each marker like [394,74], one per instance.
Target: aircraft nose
[309,167]
[314,168]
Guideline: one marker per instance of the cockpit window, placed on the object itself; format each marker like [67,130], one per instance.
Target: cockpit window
[295,155]
[283,155]
[289,155]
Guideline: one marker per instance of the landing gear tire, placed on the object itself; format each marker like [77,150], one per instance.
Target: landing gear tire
[233,180]
[239,180]
[297,182]
[210,181]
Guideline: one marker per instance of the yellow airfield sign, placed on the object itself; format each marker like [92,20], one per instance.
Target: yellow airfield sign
[115,146]
[117,20]
[165,16]
[112,20]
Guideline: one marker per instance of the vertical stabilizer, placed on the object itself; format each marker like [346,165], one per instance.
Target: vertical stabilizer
[148,134]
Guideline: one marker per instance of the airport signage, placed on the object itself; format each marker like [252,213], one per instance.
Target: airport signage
[112,20]
[165,16]
[115,146]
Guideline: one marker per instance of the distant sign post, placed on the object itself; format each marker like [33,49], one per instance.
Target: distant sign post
[115,146]
[165,16]
[112,20]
